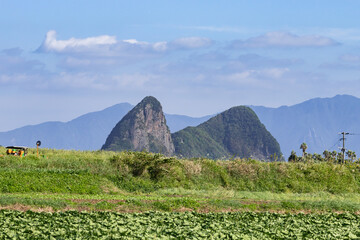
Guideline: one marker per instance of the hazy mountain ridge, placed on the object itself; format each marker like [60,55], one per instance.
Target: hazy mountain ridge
[316,122]
[87,132]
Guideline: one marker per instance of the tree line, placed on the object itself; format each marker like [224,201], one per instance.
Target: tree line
[327,156]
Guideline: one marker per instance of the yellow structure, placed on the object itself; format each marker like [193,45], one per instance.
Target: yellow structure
[16,151]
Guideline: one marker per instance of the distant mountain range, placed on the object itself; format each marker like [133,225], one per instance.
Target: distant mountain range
[316,122]
[87,132]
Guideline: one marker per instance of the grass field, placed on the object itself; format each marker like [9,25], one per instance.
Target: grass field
[138,183]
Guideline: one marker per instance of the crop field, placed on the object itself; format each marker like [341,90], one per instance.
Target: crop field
[188,225]
[127,195]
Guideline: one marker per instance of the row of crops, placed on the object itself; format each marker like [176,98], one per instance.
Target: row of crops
[186,225]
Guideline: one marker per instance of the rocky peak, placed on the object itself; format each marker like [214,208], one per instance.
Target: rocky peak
[236,132]
[143,128]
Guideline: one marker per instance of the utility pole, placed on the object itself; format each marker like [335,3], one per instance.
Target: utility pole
[343,148]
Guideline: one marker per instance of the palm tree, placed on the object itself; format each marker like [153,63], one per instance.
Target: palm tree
[327,155]
[351,155]
[303,147]
[293,157]
[332,156]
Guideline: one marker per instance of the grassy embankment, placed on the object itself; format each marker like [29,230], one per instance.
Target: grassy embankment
[132,182]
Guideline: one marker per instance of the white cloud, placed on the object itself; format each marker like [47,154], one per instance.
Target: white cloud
[132,80]
[350,58]
[80,81]
[345,34]
[284,40]
[52,44]
[109,46]
[106,53]
[157,46]
[12,51]
[160,46]
[256,77]
[6,79]
[102,82]
[134,41]
[99,46]
[90,64]
[191,42]
[26,81]
[220,29]
[255,61]
[244,77]
[346,62]
[275,73]
[11,62]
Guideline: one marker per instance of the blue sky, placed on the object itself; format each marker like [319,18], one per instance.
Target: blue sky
[61,59]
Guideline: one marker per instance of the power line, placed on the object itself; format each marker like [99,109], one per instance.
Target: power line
[336,143]
[354,133]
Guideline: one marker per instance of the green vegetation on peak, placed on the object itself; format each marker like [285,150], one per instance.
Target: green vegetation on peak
[149,101]
[236,132]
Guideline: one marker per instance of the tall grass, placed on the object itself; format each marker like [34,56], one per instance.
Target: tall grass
[102,171]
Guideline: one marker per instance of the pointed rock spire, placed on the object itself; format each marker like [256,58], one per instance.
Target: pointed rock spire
[143,128]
